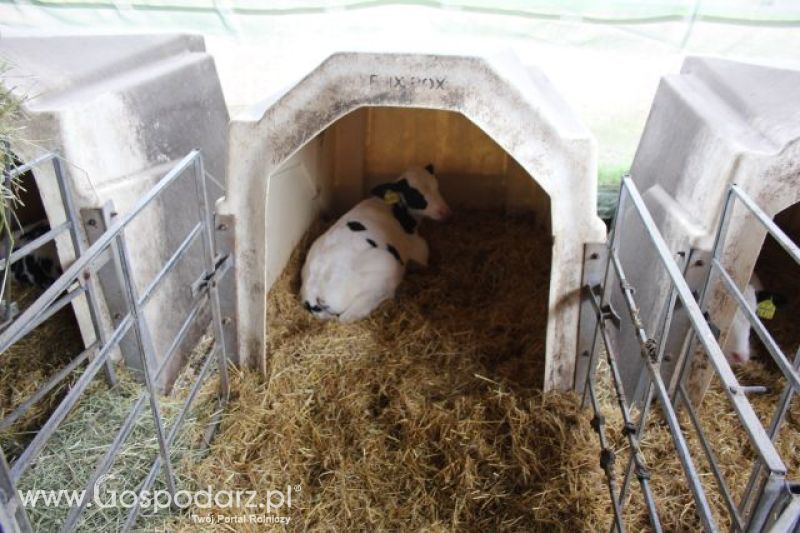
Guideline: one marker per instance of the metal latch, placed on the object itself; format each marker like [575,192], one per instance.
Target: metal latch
[607,312]
[210,279]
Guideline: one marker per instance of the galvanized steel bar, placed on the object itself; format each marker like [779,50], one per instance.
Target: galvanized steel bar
[791,375]
[8,521]
[789,519]
[54,380]
[648,354]
[777,233]
[13,516]
[642,425]
[712,459]
[774,485]
[130,521]
[612,238]
[640,429]
[19,253]
[716,253]
[47,312]
[192,315]
[208,364]
[598,422]
[7,238]
[22,169]
[147,353]
[133,514]
[717,268]
[148,292]
[105,463]
[744,410]
[44,307]
[211,266]
[60,412]
[777,420]
[633,442]
[87,280]
[190,319]
[74,270]
[783,404]
[593,354]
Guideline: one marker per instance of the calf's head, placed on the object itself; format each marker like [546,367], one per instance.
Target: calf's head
[418,191]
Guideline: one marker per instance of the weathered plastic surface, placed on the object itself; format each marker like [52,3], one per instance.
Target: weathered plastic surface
[121,110]
[516,107]
[716,123]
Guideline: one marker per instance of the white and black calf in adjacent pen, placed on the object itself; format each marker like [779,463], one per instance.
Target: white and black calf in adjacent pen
[738,348]
[359,262]
[41,267]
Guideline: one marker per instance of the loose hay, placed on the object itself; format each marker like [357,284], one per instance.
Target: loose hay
[29,363]
[727,439]
[71,454]
[427,415]
[79,443]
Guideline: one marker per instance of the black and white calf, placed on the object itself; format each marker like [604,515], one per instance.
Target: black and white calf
[40,268]
[359,262]
[738,348]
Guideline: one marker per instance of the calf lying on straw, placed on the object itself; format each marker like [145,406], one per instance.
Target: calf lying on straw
[359,262]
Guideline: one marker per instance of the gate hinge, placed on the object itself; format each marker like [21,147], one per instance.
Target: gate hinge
[210,279]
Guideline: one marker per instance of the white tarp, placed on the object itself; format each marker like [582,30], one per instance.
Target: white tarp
[606,58]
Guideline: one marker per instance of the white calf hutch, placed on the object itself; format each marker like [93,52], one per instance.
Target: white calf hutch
[286,170]
[719,159]
[720,151]
[122,110]
[715,124]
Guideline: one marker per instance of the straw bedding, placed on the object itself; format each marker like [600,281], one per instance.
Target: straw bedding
[69,458]
[81,441]
[27,364]
[727,439]
[427,415]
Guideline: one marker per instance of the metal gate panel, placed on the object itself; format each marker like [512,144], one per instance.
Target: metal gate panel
[768,496]
[78,279]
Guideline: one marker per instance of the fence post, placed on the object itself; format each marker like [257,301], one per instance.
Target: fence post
[87,279]
[210,267]
[13,516]
[147,355]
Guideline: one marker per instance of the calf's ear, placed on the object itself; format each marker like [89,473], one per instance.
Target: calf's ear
[429,167]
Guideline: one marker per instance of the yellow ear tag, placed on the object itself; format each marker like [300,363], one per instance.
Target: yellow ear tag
[391,197]
[766,309]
